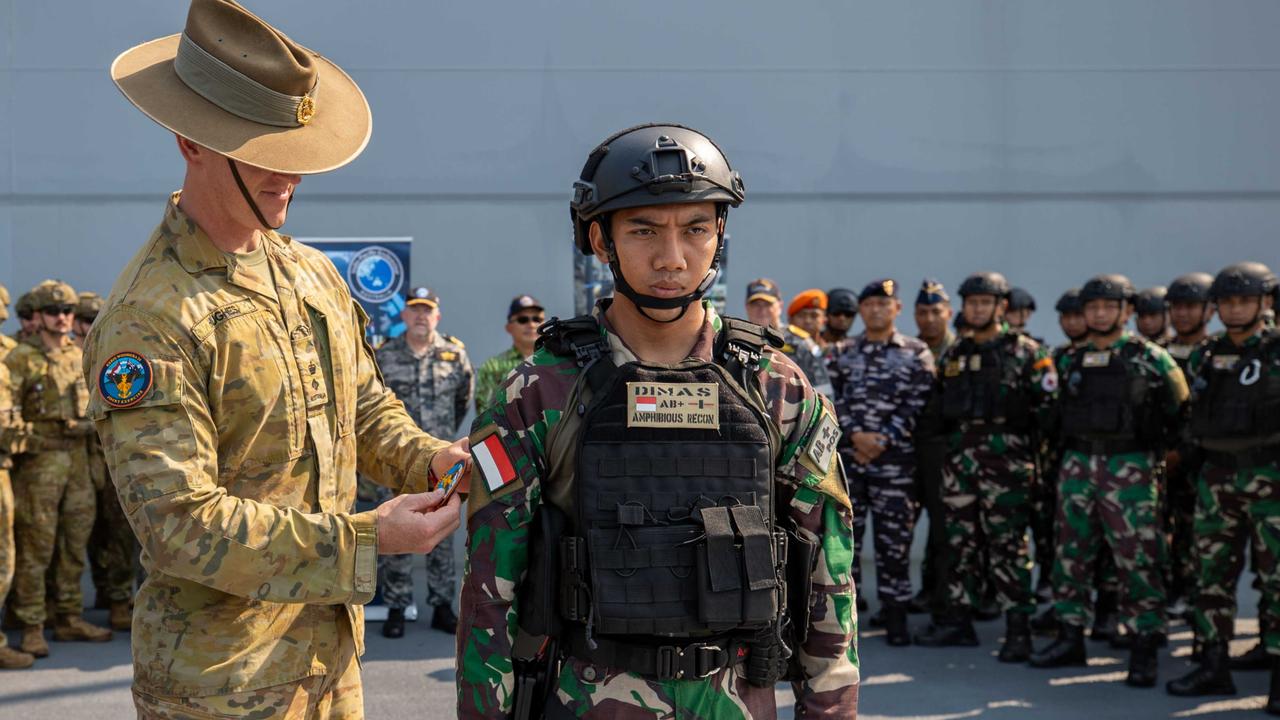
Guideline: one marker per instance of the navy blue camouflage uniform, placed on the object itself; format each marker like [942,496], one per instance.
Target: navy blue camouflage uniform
[882,387]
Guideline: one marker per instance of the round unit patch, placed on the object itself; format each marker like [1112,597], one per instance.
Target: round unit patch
[125,379]
[375,274]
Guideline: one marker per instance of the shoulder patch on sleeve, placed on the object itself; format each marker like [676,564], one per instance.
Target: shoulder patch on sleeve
[497,474]
[129,380]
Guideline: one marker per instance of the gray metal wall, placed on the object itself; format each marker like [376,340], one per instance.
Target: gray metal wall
[1049,139]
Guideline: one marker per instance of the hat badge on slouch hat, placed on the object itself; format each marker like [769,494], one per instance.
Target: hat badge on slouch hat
[234,84]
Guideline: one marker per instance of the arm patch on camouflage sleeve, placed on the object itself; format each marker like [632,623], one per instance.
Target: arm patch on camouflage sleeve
[818,457]
[494,473]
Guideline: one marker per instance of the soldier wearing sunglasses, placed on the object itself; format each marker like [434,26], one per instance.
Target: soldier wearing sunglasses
[523,318]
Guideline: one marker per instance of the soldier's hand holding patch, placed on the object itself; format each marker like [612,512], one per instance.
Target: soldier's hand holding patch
[416,523]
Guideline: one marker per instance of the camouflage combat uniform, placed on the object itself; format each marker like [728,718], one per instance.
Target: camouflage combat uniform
[1108,496]
[1239,483]
[808,357]
[883,387]
[1180,495]
[989,474]
[436,390]
[11,426]
[529,407]
[491,373]
[53,494]
[237,464]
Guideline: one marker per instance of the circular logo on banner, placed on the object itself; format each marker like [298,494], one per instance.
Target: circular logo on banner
[375,274]
[125,379]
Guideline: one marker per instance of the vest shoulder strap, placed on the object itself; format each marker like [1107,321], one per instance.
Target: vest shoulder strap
[740,346]
[581,339]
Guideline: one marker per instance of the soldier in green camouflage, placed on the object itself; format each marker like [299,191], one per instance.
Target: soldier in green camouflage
[636,490]
[1121,401]
[1235,418]
[764,308]
[524,316]
[235,394]
[52,488]
[997,388]
[11,435]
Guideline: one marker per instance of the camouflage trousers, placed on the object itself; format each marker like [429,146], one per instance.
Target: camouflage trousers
[1231,506]
[1111,501]
[1044,508]
[54,507]
[1179,517]
[113,549]
[7,559]
[590,691]
[395,573]
[337,695]
[889,497]
[987,486]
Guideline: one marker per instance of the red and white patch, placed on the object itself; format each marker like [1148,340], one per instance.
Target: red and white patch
[647,404]
[493,462]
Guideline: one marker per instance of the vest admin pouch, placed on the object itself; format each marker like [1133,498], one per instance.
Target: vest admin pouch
[975,386]
[1105,399]
[1240,398]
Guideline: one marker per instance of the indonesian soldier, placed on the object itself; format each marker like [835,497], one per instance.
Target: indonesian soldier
[882,380]
[808,313]
[11,435]
[650,477]
[933,326]
[524,316]
[430,372]
[997,390]
[53,493]
[235,397]
[1151,315]
[842,309]
[1189,313]
[764,308]
[1121,401]
[1235,418]
[1021,307]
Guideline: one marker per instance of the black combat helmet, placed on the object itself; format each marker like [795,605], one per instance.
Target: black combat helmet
[1020,299]
[1106,287]
[984,283]
[1151,301]
[655,164]
[1244,279]
[1070,302]
[1192,288]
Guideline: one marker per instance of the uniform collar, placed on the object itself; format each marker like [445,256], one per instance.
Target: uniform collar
[195,251]
[702,347]
[897,338]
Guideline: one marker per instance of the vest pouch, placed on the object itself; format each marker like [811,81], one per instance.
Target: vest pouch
[737,569]
[957,399]
[640,579]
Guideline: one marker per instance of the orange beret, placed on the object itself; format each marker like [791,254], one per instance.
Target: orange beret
[811,298]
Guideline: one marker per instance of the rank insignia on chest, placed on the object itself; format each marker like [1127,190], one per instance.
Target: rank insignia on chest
[953,368]
[448,355]
[1097,359]
[125,379]
[975,363]
[1225,362]
[673,405]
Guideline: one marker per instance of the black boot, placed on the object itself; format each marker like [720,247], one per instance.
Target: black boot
[393,626]
[1046,623]
[861,604]
[895,625]
[1255,659]
[444,620]
[1067,650]
[920,604]
[955,630]
[1211,677]
[1273,695]
[1105,619]
[1143,663]
[1017,638]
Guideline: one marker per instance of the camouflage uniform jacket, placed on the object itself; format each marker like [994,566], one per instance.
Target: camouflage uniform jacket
[1203,358]
[436,387]
[1153,363]
[50,393]
[882,387]
[491,374]
[808,356]
[7,344]
[237,465]
[529,405]
[11,424]
[1028,368]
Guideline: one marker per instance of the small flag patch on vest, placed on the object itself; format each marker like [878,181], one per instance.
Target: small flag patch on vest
[493,462]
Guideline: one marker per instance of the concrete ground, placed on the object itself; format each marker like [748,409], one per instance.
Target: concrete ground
[413,678]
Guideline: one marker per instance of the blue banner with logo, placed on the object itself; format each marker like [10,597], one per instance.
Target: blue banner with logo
[376,270]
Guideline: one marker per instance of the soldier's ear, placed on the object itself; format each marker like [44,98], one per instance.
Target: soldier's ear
[596,234]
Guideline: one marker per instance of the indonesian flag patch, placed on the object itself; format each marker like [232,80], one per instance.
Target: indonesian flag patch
[494,462]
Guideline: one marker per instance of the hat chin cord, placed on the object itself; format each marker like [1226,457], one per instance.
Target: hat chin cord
[244,192]
[649,302]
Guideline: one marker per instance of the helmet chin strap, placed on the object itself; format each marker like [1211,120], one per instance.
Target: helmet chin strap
[244,192]
[649,302]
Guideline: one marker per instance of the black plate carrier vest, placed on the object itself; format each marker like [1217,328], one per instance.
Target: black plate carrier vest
[1106,402]
[972,376]
[1240,399]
